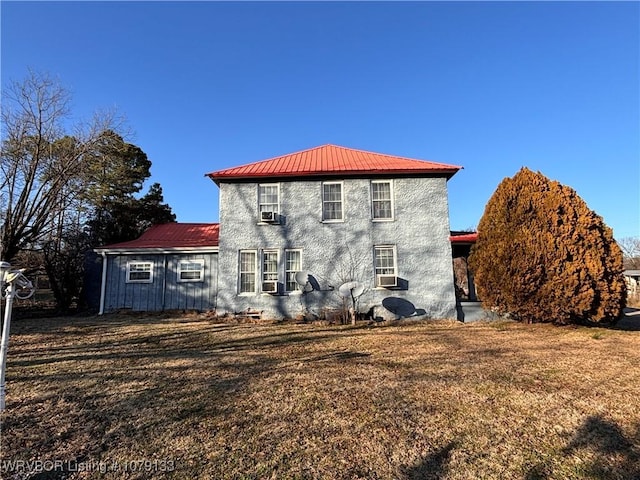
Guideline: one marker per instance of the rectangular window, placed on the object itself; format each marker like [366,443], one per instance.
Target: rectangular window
[139,272]
[270,271]
[191,271]
[247,271]
[268,202]
[292,265]
[269,266]
[385,265]
[332,201]
[381,200]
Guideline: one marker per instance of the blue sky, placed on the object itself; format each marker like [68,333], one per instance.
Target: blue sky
[553,86]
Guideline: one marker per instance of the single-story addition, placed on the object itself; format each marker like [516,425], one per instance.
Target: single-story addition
[300,235]
[170,267]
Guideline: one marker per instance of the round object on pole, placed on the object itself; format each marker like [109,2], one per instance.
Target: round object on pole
[351,289]
[302,278]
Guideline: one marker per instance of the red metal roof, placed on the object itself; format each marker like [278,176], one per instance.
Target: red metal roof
[460,237]
[332,160]
[173,235]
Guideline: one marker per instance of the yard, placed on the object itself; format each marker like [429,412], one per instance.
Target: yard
[188,398]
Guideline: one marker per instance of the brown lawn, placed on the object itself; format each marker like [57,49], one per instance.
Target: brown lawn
[188,398]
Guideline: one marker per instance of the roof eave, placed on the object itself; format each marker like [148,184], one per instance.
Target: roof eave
[154,250]
[448,172]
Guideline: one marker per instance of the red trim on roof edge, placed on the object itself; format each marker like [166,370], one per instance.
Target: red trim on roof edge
[468,237]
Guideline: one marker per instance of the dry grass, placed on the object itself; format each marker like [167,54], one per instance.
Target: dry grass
[438,400]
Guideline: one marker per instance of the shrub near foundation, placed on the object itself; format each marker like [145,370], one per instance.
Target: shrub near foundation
[543,256]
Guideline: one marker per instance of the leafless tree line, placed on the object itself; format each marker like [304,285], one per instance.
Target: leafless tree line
[631,250]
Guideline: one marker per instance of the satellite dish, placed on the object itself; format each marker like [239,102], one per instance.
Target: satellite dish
[306,282]
[302,278]
[399,307]
[351,289]
[344,290]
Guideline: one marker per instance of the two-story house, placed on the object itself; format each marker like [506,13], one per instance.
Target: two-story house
[294,229]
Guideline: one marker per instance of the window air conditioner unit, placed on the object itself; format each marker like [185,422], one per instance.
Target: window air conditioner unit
[387,281]
[269,217]
[270,287]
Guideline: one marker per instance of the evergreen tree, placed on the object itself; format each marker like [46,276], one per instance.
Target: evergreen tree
[115,173]
[543,256]
[126,218]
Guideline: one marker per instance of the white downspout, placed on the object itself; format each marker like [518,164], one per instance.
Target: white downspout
[103,285]
[164,280]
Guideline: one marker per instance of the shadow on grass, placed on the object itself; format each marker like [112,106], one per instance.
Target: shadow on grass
[614,455]
[346,355]
[124,386]
[433,466]
[630,321]
[197,344]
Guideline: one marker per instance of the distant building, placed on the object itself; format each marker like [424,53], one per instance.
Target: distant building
[632,277]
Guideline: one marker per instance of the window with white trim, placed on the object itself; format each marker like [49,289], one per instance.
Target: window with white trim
[190,270]
[332,202]
[384,262]
[269,267]
[139,272]
[381,200]
[268,198]
[247,272]
[292,265]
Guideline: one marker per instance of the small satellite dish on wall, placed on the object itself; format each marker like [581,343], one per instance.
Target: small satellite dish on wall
[306,281]
[351,289]
[302,278]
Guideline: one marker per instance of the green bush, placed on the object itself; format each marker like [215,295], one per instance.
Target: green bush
[543,256]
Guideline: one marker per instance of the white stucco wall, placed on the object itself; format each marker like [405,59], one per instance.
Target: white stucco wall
[420,232]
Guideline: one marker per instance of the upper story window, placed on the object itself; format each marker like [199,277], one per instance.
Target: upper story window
[247,271]
[139,272]
[332,200]
[268,202]
[382,200]
[191,271]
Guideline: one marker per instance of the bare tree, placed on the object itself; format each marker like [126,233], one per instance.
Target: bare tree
[62,186]
[351,267]
[41,163]
[631,252]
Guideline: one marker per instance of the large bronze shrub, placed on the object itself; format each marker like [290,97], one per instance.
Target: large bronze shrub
[543,256]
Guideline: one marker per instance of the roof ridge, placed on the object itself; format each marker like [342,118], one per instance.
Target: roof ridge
[360,150]
[390,155]
[281,156]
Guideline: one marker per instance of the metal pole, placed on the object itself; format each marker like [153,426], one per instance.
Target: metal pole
[103,285]
[4,345]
